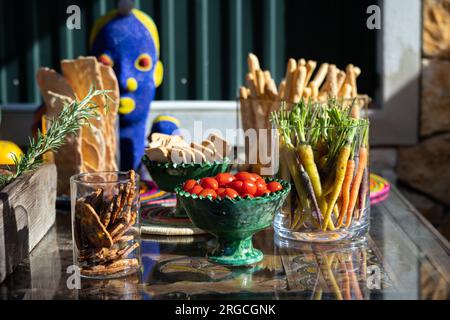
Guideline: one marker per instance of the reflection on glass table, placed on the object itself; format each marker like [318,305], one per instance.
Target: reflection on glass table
[402,258]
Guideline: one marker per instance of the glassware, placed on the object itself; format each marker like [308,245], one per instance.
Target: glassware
[327,166]
[254,118]
[330,271]
[105,224]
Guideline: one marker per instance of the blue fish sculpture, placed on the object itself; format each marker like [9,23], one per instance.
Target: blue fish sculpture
[129,43]
[165,124]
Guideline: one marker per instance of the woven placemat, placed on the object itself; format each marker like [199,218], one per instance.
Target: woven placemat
[158,213]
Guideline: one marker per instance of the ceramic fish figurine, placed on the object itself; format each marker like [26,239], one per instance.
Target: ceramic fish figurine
[165,124]
[127,39]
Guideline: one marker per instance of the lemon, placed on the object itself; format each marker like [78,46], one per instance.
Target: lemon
[7,150]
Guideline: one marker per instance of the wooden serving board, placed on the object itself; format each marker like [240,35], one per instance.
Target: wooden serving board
[27,212]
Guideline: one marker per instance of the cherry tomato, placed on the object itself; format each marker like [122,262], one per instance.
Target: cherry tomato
[265,193]
[261,186]
[236,185]
[247,195]
[220,192]
[242,176]
[231,193]
[208,192]
[196,189]
[257,176]
[189,184]
[274,186]
[224,178]
[249,187]
[209,183]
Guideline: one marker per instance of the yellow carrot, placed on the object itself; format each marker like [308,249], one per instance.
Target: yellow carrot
[363,153]
[341,165]
[307,158]
[346,190]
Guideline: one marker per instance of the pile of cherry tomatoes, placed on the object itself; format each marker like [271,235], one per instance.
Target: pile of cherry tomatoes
[242,184]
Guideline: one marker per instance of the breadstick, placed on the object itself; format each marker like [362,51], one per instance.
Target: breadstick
[346,91]
[306,93]
[293,89]
[260,83]
[253,64]
[310,67]
[267,76]
[243,93]
[251,84]
[301,62]
[300,84]
[271,89]
[318,79]
[340,80]
[350,78]
[329,88]
[357,72]
[281,89]
[290,70]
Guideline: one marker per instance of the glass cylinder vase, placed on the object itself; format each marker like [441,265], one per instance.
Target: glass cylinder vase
[105,224]
[327,167]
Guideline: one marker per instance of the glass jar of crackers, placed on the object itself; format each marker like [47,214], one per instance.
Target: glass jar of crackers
[105,224]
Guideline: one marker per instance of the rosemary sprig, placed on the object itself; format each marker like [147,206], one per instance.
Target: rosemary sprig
[73,116]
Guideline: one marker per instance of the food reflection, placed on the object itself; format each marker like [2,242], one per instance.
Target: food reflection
[342,272]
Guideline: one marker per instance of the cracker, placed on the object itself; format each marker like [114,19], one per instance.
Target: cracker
[56,91]
[178,155]
[159,154]
[222,147]
[115,267]
[124,239]
[116,230]
[125,252]
[156,136]
[82,74]
[111,120]
[95,199]
[93,229]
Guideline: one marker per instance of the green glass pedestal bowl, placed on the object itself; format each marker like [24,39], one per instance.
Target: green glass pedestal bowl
[233,222]
[169,175]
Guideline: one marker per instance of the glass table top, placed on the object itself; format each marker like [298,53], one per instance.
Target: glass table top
[403,257]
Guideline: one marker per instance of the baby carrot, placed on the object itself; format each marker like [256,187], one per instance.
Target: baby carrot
[346,190]
[309,189]
[362,195]
[307,158]
[341,165]
[356,184]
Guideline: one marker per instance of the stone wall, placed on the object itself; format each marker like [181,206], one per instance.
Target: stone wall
[423,171]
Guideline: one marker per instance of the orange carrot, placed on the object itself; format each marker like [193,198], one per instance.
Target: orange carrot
[363,153]
[346,190]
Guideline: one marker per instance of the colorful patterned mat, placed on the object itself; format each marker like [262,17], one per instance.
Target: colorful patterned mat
[379,188]
[158,213]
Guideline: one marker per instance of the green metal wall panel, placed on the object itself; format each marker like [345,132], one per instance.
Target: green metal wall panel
[204,43]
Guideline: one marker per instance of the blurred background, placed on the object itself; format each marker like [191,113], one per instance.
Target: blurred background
[204,44]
